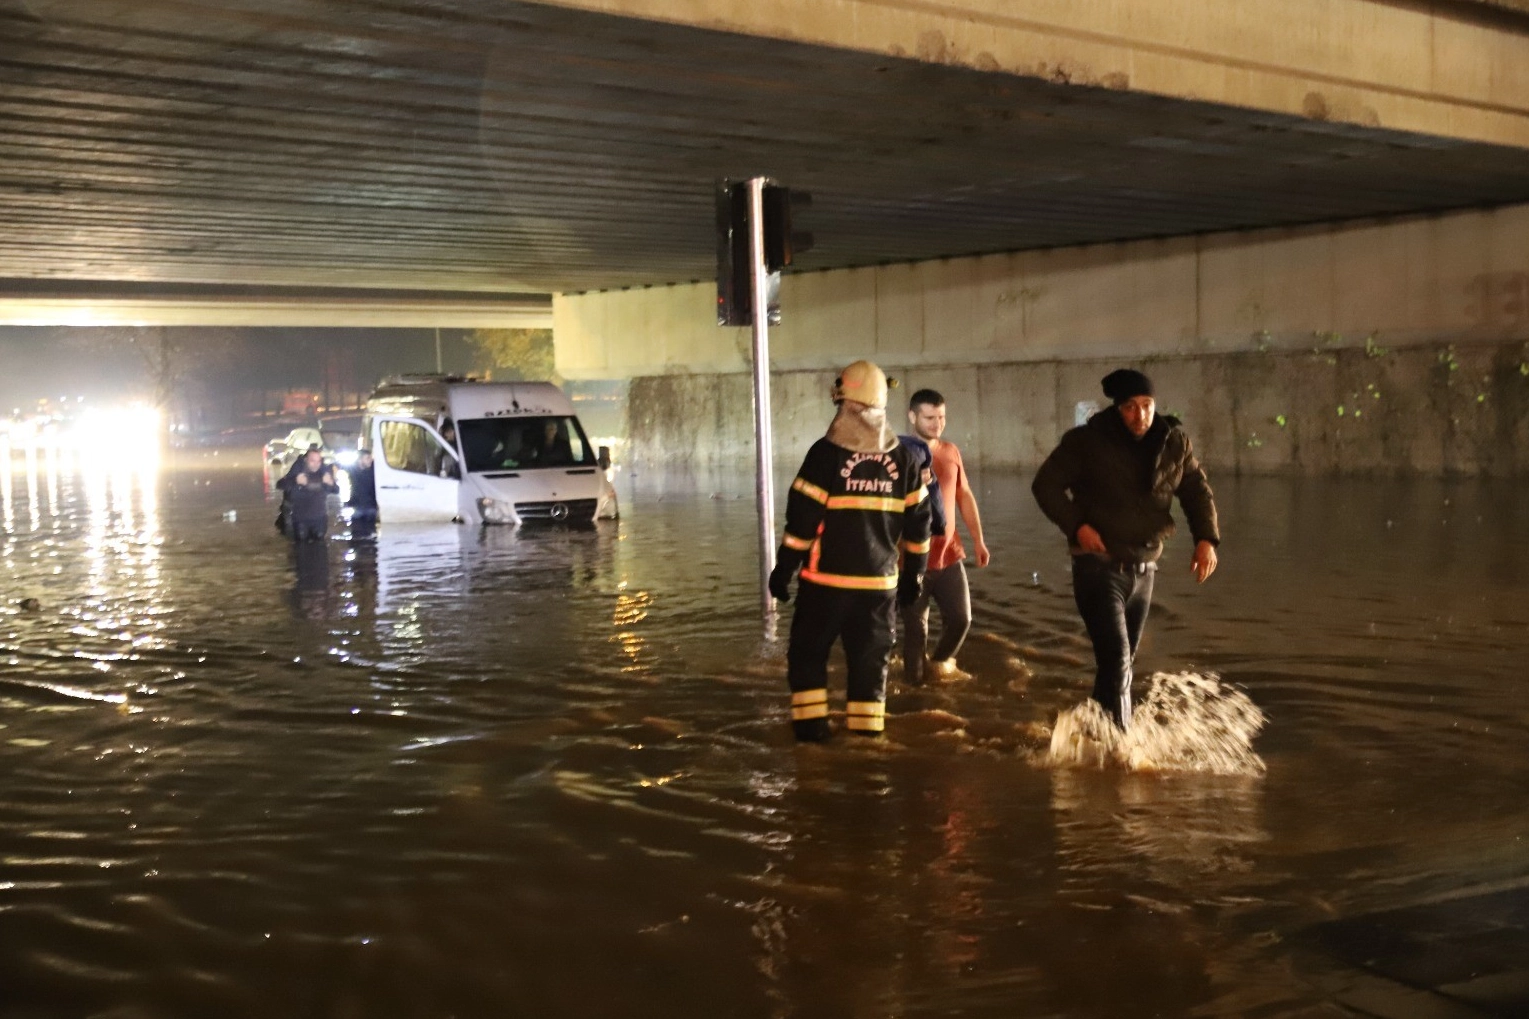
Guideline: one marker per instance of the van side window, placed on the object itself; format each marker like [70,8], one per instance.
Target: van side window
[408,447]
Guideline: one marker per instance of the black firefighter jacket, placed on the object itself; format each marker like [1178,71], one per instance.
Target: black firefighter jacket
[858,518]
[1099,475]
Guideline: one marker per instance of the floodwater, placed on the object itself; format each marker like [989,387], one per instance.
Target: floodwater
[469,772]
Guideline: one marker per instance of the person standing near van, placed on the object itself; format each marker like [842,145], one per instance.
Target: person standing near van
[857,525]
[945,583]
[1109,485]
[310,483]
[363,495]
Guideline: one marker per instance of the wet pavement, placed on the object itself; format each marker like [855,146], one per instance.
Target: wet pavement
[480,772]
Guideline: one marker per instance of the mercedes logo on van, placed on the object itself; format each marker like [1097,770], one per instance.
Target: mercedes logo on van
[559,511]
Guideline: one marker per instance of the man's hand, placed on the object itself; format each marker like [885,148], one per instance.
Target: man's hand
[780,582]
[909,587]
[327,479]
[983,555]
[1204,562]
[1089,541]
[301,479]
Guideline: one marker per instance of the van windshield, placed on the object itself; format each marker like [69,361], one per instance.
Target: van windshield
[521,443]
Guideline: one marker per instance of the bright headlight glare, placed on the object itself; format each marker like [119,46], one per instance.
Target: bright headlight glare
[114,434]
[346,458]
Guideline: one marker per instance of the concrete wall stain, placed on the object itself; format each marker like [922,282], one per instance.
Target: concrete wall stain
[1498,300]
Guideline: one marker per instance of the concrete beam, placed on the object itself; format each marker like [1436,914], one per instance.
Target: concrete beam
[31,303]
[1451,70]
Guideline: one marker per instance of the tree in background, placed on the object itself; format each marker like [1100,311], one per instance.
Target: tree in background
[514,355]
[172,360]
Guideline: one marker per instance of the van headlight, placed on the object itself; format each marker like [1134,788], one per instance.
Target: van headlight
[497,511]
[346,457]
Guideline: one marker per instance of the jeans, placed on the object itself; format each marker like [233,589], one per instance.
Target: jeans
[949,590]
[1113,599]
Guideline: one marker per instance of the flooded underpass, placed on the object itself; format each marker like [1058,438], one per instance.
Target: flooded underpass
[478,772]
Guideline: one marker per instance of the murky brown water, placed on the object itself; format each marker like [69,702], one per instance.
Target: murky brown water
[480,773]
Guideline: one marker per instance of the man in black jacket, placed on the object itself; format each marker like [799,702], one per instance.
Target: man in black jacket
[309,484]
[1109,485]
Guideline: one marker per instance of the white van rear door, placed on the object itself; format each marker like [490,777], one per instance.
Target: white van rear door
[415,472]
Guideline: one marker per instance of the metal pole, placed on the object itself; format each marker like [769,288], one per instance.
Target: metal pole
[765,455]
[438,350]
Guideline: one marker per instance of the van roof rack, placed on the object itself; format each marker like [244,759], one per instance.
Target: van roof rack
[424,378]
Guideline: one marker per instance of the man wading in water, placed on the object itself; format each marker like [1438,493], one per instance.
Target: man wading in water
[857,502]
[945,579]
[1109,485]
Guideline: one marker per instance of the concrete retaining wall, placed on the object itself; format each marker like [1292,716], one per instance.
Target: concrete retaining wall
[1376,346]
[1438,409]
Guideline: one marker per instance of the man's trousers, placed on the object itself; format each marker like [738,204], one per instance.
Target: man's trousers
[1113,599]
[864,621]
[948,589]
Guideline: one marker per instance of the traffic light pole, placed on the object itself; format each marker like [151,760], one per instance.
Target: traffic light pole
[764,489]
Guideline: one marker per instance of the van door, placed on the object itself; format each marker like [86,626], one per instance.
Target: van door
[416,472]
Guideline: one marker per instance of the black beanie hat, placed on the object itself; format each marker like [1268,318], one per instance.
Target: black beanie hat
[1123,383]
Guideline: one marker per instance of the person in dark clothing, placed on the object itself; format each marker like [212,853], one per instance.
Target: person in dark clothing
[447,466]
[857,525]
[284,485]
[1109,485]
[363,495]
[309,484]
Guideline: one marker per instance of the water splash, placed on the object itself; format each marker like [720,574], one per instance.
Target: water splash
[1186,722]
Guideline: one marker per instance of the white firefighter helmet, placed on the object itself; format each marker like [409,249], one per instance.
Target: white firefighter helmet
[862,382]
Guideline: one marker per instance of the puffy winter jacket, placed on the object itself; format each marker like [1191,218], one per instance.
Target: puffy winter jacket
[1098,475]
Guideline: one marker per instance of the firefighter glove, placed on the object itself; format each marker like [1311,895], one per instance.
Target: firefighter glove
[786,562]
[909,587]
[780,581]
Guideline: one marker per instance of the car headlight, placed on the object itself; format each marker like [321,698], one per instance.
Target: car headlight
[497,511]
[346,457]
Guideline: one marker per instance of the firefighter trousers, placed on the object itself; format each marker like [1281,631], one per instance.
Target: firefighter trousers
[864,621]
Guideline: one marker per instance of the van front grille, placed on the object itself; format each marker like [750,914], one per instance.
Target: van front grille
[571,511]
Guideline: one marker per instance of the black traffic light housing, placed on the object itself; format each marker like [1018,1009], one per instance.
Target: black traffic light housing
[735,292]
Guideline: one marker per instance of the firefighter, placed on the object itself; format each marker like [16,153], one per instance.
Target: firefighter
[857,526]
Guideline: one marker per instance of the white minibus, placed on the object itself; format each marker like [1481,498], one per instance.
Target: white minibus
[452,448]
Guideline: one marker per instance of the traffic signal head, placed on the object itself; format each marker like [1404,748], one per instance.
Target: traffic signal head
[782,243]
[735,291]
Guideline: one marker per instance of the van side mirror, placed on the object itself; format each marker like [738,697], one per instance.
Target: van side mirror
[603,458]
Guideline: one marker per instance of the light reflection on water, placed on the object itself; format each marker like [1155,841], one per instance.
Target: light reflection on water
[487,772]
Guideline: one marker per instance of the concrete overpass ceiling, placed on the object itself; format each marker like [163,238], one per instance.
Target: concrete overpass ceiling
[488,145]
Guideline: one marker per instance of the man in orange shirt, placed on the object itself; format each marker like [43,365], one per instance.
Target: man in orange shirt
[945,581]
